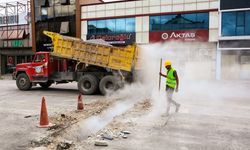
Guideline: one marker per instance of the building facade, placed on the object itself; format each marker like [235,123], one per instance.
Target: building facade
[15,35]
[52,15]
[233,54]
[150,21]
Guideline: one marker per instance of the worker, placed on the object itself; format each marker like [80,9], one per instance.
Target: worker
[172,84]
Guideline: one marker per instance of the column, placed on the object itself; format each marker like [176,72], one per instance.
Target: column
[218,64]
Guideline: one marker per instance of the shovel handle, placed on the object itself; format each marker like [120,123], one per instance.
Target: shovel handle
[160,75]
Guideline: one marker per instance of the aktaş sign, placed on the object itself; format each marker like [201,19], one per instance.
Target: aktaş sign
[200,35]
[190,35]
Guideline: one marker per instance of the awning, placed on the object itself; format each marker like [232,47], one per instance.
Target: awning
[12,34]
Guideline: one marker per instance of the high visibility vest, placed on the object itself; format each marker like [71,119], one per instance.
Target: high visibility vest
[171,80]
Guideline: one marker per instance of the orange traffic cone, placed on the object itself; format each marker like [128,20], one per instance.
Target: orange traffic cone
[80,103]
[44,120]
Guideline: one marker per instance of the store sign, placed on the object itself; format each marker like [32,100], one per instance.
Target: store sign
[180,35]
[21,18]
[14,43]
[118,39]
[17,43]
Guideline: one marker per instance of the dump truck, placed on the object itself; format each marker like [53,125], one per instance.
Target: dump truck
[93,65]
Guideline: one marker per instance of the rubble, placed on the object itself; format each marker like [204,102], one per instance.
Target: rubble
[108,137]
[28,116]
[40,142]
[101,143]
[64,145]
[126,132]
[124,136]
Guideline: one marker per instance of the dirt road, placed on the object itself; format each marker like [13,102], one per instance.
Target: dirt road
[217,121]
[16,131]
[212,116]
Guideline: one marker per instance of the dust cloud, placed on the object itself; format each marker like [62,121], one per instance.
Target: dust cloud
[195,64]
[192,61]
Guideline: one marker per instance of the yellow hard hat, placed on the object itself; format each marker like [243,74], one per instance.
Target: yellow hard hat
[168,63]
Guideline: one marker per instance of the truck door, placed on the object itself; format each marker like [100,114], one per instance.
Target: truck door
[40,67]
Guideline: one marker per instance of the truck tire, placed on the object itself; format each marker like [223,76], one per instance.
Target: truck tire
[88,84]
[108,83]
[45,85]
[23,82]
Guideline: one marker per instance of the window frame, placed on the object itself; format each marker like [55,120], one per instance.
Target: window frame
[124,29]
[241,26]
[175,18]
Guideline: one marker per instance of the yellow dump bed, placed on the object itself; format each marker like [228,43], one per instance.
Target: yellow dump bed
[107,56]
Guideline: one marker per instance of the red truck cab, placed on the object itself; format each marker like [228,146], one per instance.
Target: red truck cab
[34,72]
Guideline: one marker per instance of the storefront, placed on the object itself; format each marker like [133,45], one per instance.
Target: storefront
[9,58]
[233,54]
[144,22]
[15,36]
[186,27]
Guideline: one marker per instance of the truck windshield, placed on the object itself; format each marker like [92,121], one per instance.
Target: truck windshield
[40,58]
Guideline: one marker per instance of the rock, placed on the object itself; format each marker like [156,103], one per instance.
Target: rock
[27,116]
[124,136]
[64,145]
[55,127]
[63,115]
[41,141]
[126,132]
[101,143]
[108,137]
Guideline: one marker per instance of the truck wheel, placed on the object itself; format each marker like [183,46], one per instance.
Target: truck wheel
[23,82]
[45,85]
[88,84]
[108,83]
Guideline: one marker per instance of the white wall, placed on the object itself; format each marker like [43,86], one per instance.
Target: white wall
[213,26]
[146,7]
[142,29]
[131,8]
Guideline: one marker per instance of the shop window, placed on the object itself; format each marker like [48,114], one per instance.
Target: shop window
[235,23]
[202,21]
[120,25]
[112,26]
[179,22]
[228,23]
[20,59]
[101,26]
[247,22]
[91,27]
[130,25]
[156,23]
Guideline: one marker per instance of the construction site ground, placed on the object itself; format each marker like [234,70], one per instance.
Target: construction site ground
[216,119]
